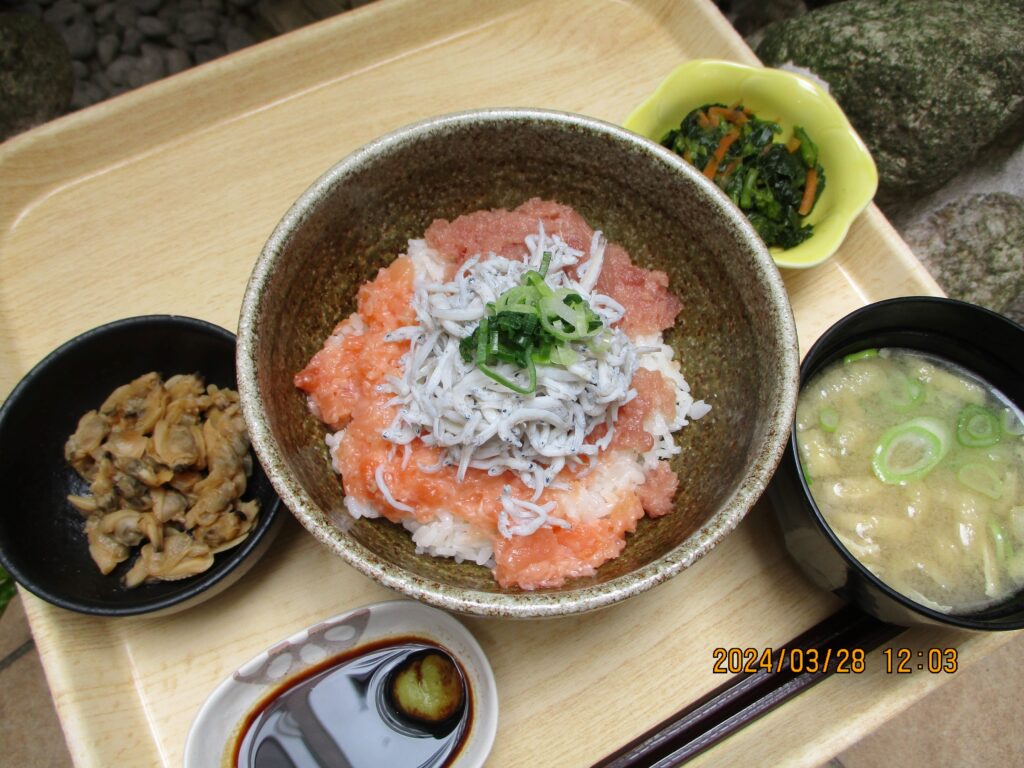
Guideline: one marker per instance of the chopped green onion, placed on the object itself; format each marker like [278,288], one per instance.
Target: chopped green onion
[526,309]
[1012,424]
[828,417]
[528,324]
[909,451]
[536,281]
[531,370]
[808,480]
[862,355]
[903,394]
[563,356]
[545,262]
[981,478]
[601,342]
[481,341]
[977,427]
[1004,550]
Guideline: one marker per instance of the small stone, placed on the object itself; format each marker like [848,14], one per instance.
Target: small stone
[107,48]
[148,7]
[62,12]
[80,70]
[169,16]
[236,39]
[188,5]
[242,3]
[217,6]
[151,26]
[131,41]
[151,63]
[126,15]
[86,94]
[177,40]
[101,79]
[176,60]
[208,52]
[120,68]
[92,3]
[80,37]
[104,12]
[196,27]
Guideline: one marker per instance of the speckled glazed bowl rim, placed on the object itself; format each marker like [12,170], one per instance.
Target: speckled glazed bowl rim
[851,176]
[811,365]
[201,587]
[519,604]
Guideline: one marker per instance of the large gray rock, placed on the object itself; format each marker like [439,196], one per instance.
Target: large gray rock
[927,83]
[974,248]
[36,80]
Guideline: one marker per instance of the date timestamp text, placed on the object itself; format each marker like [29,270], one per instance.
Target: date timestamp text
[898,661]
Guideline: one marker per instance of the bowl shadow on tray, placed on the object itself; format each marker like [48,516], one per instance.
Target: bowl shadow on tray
[735,335]
[42,537]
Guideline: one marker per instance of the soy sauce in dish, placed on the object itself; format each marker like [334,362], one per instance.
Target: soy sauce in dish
[343,712]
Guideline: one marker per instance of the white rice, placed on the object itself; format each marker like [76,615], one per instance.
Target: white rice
[445,536]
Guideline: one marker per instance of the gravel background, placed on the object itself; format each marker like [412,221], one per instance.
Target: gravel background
[117,45]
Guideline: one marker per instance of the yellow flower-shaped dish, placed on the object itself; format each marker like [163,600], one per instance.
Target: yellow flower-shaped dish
[790,100]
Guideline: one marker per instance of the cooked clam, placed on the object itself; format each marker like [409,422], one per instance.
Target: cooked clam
[167,464]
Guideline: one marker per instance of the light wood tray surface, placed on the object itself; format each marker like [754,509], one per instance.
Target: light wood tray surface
[159,202]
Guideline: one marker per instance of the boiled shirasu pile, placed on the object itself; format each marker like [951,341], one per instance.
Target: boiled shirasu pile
[481,424]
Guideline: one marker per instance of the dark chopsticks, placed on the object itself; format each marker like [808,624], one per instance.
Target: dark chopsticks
[745,697]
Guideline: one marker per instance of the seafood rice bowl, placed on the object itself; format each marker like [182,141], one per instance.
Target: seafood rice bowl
[503,392]
[515,362]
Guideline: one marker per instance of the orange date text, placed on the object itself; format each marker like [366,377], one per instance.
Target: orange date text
[796,660]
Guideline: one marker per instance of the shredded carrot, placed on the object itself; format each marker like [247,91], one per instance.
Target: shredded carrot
[810,189]
[723,146]
[702,120]
[793,144]
[729,115]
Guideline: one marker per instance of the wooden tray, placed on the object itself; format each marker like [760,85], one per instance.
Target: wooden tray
[159,201]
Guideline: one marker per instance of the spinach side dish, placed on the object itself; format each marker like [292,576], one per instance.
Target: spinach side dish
[775,184]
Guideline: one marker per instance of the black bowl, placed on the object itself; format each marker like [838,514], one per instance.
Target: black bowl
[979,340]
[42,537]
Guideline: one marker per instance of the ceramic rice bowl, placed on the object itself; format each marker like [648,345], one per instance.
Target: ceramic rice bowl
[735,336]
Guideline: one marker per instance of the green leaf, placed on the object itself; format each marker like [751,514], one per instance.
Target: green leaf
[7,590]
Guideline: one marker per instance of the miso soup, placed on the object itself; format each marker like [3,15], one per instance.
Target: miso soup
[918,467]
